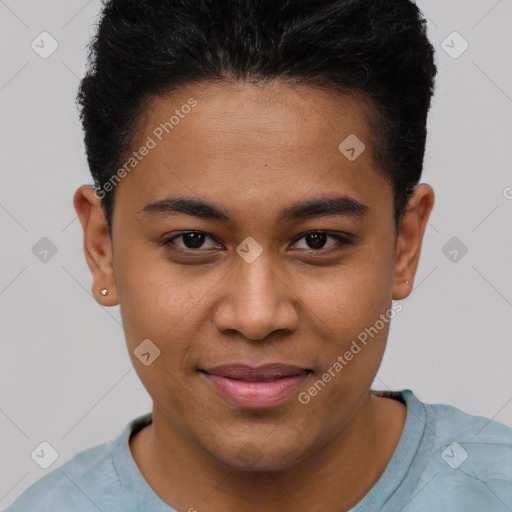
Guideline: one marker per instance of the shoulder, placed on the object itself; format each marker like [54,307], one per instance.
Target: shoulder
[72,486]
[92,480]
[487,443]
[467,461]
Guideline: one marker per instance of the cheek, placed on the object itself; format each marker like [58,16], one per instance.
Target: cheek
[354,312]
[353,295]
[158,303]
[155,295]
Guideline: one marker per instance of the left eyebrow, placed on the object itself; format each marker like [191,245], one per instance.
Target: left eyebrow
[317,207]
[344,206]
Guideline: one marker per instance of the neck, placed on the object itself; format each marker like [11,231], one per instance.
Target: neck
[335,477]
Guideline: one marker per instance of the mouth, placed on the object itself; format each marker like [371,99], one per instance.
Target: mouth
[260,387]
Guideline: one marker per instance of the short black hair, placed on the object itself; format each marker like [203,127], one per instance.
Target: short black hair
[377,48]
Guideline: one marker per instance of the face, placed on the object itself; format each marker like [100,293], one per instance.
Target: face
[253,253]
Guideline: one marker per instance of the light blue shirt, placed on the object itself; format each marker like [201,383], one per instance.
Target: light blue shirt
[446,460]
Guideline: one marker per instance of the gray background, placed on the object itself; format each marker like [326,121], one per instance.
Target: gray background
[65,375]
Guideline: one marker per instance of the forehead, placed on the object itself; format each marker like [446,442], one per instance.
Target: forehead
[255,115]
[254,143]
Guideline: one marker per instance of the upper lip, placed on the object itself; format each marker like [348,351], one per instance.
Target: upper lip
[246,372]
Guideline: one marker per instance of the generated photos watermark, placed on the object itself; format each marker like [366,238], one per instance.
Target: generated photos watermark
[152,141]
[355,348]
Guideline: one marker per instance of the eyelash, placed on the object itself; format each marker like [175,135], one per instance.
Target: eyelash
[341,239]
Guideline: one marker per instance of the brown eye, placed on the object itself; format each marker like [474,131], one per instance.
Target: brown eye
[191,240]
[316,240]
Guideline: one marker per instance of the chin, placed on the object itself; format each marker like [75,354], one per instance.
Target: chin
[259,456]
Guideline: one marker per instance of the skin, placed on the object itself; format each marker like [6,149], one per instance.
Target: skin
[255,150]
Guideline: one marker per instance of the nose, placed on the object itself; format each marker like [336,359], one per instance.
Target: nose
[256,301]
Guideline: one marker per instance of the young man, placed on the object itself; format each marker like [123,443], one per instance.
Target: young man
[256,212]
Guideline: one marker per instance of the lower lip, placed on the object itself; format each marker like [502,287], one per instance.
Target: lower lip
[256,394]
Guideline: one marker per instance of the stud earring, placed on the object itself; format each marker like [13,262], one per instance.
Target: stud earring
[104,292]
[406,281]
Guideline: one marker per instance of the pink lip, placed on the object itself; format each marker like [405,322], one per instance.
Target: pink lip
[265,386]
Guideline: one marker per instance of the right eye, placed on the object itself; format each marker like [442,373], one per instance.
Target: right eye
[192,240]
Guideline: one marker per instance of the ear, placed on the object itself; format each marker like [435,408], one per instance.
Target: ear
[411,230]
[97,244]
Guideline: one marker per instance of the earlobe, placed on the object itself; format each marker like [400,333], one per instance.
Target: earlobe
[97,244]
[411,231]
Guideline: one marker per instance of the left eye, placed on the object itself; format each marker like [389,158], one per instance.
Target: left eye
[316,240]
